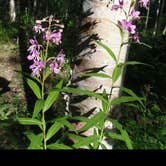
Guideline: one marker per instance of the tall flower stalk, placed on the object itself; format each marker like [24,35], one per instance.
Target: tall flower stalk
[49,31]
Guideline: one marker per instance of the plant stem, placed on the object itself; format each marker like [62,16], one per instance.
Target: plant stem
[43,115]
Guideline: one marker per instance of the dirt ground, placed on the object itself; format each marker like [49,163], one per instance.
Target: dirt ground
[12,97]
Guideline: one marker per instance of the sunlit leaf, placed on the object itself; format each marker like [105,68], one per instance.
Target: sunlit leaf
[111,53]
[53,95]
[58,146]
[86,141]
[35,88]
[35,140]
[101,75]
[98,117]
[29,121]
[53,130]
[38,107]
[116,73]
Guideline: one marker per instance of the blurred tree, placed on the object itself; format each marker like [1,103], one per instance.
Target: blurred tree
[12,11]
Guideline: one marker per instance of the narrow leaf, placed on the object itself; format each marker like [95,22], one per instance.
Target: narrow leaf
[116,73]
[115,136]
[83,92]
[30,121]
[35,88]
[53,95]
[58,146]
[124,99]
[111,53]
[86,141]
[127,139]
[99,117]
[53,130]
[116,124]
[133,63]
[38,107]
[67,124]
[101,75]
[130,92]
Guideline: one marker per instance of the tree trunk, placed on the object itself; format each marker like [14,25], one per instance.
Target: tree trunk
[157,18]
[98,23]
[147,17]
[12,10]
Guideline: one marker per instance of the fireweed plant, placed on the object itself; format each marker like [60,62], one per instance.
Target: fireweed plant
[49,31]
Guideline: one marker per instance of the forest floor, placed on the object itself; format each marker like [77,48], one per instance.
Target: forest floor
[12,96]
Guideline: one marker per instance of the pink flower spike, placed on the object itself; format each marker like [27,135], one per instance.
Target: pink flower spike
[37,67]
[117,5]
[37,28]
[135,14]
[54,67]
[127,25]
[136,37]
[60,58]
[144,3]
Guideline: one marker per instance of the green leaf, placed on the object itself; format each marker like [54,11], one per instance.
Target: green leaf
[30,121]
[123,136]
[58,146]
[116,124]
[53,95]
[127,139]
[115,136]
[116,72]
[77,138]
[66,123]
[134,63]
[111,53]
[163,131]
[98,117]
[38,107]
[83,92]
[102,75]
[53,130]
[81,118]
[35,88]
[86,141]
[35,140]
[124,99]
[130,92]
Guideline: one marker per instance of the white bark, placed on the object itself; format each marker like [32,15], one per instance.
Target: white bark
[12,10]
[90,58]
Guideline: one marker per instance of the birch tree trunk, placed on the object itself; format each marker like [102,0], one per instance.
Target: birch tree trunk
[99,23]
[12,10]
[147,17]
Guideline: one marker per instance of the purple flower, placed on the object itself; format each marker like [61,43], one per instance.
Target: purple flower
[54,37]
[136,37]
[143,3]
[117,5]
[54,67]
[135,14]
[37,67]
[34,50]
[33,55]
[127,25]
[60,58]
[37,28]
